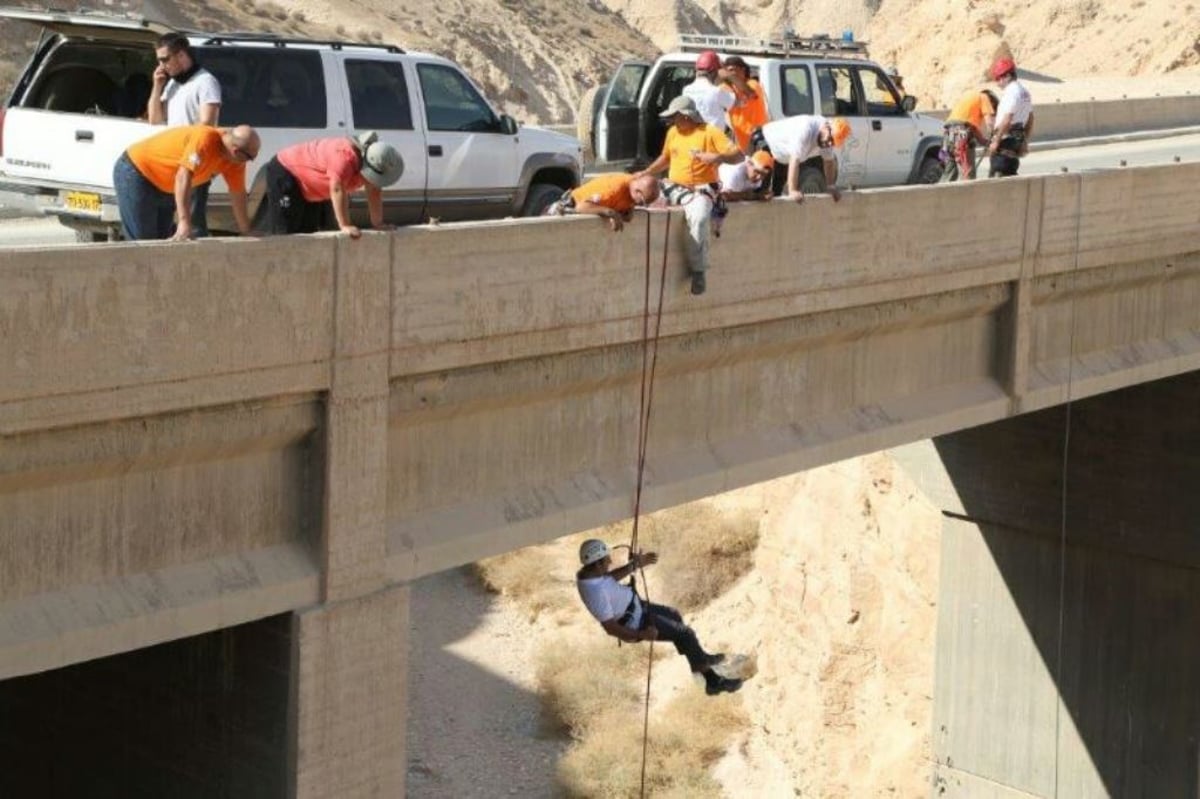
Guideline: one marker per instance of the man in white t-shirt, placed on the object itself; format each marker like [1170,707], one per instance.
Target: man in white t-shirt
[794,140]
[624,616]
[1014,121]
[711,100]
[749,180]
[184,93]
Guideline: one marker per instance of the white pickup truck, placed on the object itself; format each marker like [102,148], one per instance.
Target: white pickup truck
[889,143]
[82,97]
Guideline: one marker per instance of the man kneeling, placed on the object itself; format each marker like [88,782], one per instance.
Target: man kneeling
[623,615]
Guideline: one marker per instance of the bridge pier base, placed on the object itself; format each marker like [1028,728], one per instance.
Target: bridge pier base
[1068,662]
[350,663]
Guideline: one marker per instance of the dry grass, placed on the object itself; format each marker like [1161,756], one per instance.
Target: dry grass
[582,684]
[703,552]
[686,739]
[535,577]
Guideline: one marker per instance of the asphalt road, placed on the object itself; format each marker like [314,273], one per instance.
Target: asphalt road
[16,232]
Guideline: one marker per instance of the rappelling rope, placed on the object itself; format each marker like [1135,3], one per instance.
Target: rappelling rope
[645,404]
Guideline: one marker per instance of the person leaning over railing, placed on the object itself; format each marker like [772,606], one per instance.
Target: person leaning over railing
[155,177]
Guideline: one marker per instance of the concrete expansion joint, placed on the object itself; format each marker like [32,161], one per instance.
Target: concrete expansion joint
[1010,791]
[334,603]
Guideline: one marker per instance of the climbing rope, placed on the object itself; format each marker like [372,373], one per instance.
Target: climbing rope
[645,405]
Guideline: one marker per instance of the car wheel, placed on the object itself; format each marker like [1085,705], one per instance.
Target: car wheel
[930,171]
[541,195]
[812,180]
[91,236]
[585,123]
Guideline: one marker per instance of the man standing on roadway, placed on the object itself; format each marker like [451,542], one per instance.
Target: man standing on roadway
[612,197]
[794,140]
[711,100]
[309,184]
[184,93]
[692,152]
[154,178]
[970,121]
[749,109]
[1014,121]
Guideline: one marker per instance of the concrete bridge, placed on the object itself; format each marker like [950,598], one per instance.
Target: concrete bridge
[222,463]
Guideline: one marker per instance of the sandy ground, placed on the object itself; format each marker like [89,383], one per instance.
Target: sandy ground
[475,722]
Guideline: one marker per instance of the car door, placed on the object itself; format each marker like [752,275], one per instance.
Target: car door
[471,157]
[891,130]
[620,124]
[840,96]
[379,97]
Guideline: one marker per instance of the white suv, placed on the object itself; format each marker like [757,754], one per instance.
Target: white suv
[78,103]
[889,144]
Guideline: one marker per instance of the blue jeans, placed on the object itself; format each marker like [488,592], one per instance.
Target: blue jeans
[671,627]
[146,212]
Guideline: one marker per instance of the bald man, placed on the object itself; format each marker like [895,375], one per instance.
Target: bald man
[611,197]
[155,177]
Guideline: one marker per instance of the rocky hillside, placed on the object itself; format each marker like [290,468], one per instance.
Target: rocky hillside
[536,58]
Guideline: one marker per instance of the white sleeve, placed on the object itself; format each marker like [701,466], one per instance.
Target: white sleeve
[726,99]
[209,90]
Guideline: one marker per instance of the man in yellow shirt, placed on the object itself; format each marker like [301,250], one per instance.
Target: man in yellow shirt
[969,123]
[691,153]
[154,178]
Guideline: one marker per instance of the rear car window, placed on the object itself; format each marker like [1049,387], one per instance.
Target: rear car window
[268,88]
[93,78]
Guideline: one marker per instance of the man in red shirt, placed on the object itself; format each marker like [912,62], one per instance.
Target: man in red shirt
[309,184]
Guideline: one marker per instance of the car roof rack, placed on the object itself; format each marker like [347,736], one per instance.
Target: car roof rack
[282,41]
[789,44]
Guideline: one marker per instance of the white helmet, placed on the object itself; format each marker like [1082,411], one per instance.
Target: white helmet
[381,163]
[592,551]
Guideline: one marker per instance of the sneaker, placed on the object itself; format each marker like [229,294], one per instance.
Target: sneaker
[698,283]
[722,685]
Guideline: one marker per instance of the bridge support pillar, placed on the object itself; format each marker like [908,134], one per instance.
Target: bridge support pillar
[1068,662]
[349,706]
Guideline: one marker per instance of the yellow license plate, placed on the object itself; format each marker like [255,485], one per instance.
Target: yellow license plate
[82,201]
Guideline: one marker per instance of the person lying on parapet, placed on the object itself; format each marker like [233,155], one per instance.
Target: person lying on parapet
[612,197]
[623,614]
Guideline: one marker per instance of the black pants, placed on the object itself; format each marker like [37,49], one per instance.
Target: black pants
[284,209]
[1007,159]
[671,628]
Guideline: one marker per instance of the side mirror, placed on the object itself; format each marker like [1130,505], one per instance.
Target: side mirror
[908,103]
[508,125]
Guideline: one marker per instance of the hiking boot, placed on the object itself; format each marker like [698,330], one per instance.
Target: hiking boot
[698,283]
[722,685]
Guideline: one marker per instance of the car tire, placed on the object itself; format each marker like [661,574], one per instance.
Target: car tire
[812,180]
[541,195]
[930,171]
[585,123]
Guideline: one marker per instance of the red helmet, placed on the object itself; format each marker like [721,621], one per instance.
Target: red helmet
[1002,67]
[708,61]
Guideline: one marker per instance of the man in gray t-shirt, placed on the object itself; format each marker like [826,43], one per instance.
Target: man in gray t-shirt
[184,93]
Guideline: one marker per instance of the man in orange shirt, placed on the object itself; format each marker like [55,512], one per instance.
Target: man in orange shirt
[154,178]
[750,108]
[611,197]
[969,122]
[691,153]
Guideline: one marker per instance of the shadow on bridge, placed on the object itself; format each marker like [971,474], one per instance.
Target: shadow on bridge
[1084,523]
